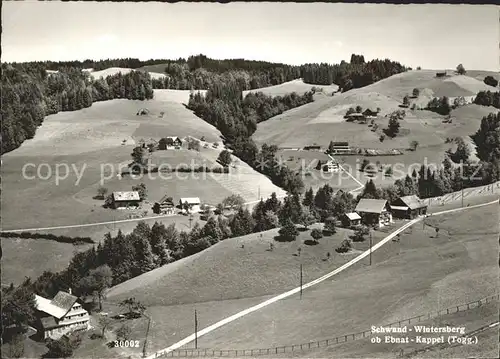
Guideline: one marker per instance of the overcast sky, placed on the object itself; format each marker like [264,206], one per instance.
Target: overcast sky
[431,36]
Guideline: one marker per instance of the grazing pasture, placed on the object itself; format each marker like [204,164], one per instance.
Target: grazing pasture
[298,86]
[115,70]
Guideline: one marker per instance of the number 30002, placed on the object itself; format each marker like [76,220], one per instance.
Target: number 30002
[127,343]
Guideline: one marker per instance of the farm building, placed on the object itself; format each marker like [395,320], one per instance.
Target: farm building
[369,114]
[440,74]
[408,207]
[331,166]
[126,199]
[374,212]
[169,143]
[164,206]
[192,202]
[351,219]
[312,148]
[60,316]
[355,117]
[340,147]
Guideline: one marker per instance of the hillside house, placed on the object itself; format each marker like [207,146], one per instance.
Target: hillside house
[369,114]
[170,143]
[61,315]
[408,207]
[351,219]
[341,147]
[164,206]
[193,204]
[440,74]
[331,167]
[126,199]
[374,212]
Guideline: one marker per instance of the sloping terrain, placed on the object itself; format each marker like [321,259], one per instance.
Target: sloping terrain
[178,96]
[114,70]
[322,121]
[297,86]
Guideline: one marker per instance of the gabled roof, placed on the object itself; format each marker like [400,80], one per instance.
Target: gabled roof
[57,307]
[126,196]
[191,200]
[413,202]
[371,205]
[353,216]
[164,199]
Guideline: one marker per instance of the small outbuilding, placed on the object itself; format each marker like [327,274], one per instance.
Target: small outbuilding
[351,219]
[408,207]
[126,199]
[374,212]
[193,203]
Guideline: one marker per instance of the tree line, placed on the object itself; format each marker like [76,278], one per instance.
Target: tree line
[29,93]
[488,98]
[355,74]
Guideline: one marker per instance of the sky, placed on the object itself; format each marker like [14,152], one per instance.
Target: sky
[430,36]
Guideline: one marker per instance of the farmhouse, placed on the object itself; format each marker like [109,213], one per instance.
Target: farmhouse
[192,202]
[169,143]
[164,206]
[351,219]
[369,114]
[374,212]
[408,207]
[331,166]
[126,199]
[340,147]
[60,316]
[441,74]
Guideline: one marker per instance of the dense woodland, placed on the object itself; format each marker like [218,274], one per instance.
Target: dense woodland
[29,93]
[488,98]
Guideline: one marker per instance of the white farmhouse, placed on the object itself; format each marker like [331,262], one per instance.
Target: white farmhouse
[193,204]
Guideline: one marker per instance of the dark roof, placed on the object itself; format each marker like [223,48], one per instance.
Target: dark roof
[341,143]
[48,322]
[371,205]
[369,112]
[413,202]
[64,300]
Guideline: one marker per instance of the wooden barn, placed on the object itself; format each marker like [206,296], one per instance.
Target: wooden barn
[340,147]
[169,143]
[351,220]
[126,199]
[408,207]
[374,212]
[193,204]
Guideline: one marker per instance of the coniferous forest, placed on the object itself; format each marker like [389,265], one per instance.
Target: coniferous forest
[34,90]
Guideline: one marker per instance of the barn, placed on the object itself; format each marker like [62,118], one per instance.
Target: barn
[351,219]
[408,207]
[126,199]
[164,206]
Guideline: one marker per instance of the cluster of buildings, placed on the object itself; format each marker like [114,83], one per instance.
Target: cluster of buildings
[59,316]
[380,212]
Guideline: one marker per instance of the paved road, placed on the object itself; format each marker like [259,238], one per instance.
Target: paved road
[236,316]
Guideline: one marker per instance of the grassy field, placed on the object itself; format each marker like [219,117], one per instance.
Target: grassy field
[178,96]
[322,121]
[417,275]
[115,70]
[297,86]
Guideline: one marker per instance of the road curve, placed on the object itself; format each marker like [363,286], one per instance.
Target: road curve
[233,317]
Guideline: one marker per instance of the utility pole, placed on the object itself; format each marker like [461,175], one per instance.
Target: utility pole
[144,352]
[190,219]
[195,330]
[370,247]
[301,281]
[462,192]
[259,197]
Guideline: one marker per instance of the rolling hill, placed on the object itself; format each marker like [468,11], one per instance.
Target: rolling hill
[297,86]
[114,70]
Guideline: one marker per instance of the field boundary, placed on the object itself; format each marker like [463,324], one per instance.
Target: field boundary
[331,341]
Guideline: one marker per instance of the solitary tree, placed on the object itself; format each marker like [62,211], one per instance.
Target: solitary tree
[359,109]
[316,234]
[393,128]
[406,101]
[101,192]
[224,158]
[138,155]
[414,145]
[491,81]
[416,92]
[104,323]
[364,164]
[461,69]
[388,171]
[437,232]
[97,282]
[330,225]
[288,232]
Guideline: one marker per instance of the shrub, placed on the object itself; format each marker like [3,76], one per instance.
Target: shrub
[388,172]
[330,225]
[344,247]
[316,234]
[288,232]
[360,234]
[491,81]
[416,92]
[461,69]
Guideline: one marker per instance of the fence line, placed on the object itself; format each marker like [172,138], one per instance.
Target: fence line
[325,342]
